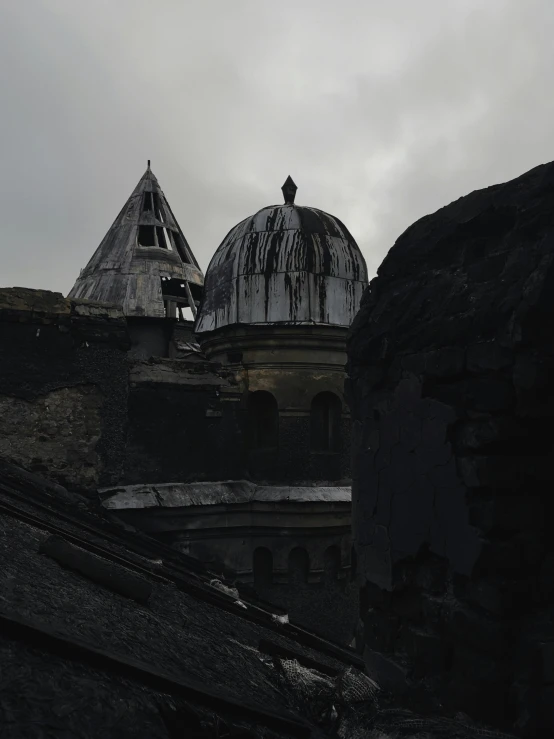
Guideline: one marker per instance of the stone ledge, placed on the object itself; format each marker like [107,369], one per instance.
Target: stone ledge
[25,304]
[19,301]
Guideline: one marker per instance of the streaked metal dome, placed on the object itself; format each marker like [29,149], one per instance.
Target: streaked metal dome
[287,264]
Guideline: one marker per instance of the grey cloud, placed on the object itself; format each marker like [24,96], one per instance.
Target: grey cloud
[381,111]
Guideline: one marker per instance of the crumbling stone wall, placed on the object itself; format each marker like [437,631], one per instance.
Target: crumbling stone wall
[77,408]
[57,433]
[63,387]
[451,364]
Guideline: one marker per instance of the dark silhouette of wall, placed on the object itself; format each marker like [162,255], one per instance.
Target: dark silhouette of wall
[451,389]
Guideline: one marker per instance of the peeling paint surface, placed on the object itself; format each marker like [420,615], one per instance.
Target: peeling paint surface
[128,274]
[176,495]
[285,264]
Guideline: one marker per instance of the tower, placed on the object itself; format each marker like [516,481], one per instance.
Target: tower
[281,293]
[145,265]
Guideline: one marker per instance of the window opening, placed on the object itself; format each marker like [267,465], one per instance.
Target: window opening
[147,202]
[146,236]
[325,418]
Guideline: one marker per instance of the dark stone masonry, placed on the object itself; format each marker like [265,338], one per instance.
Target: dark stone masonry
[451,389]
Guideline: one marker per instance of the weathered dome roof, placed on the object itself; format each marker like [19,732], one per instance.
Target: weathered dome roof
[286,264]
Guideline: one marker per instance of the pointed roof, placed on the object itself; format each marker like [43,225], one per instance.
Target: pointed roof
[144,260]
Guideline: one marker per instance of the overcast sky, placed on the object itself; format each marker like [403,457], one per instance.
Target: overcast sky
[381,110]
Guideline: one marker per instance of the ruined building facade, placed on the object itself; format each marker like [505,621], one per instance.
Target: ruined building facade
[208,412]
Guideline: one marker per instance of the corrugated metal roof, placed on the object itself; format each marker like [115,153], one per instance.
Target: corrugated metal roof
[127,269]
[285,264]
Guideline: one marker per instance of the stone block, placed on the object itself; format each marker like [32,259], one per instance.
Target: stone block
[490,395]
[487,356]
[22,300]
[446,362]
[387,673]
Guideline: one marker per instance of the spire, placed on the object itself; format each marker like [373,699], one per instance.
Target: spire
[289,191]
[144,263]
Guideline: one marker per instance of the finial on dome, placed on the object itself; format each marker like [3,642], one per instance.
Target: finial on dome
[289,191]
[149,164]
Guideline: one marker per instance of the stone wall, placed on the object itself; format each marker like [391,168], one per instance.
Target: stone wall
[80,409]
[451,363]
[63,387]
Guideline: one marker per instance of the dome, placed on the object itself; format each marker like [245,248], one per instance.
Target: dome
[287,264]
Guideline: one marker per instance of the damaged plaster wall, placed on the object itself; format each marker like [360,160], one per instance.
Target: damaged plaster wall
[56,433]
[63,387]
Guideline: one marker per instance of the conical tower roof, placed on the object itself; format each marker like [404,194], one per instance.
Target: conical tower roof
[144,261]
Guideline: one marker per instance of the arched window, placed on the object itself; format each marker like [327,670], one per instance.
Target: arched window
[331,562]
[299,565]
[262,566]
[263,417]
[325,423]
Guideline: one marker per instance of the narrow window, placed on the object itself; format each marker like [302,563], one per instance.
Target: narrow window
[181,247]
[262,566]
[147,201]
[263,417]
[299,565]
[325,417]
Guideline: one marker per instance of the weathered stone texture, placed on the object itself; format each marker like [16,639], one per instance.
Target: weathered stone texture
[63,387]
[56,433]
[451,365]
